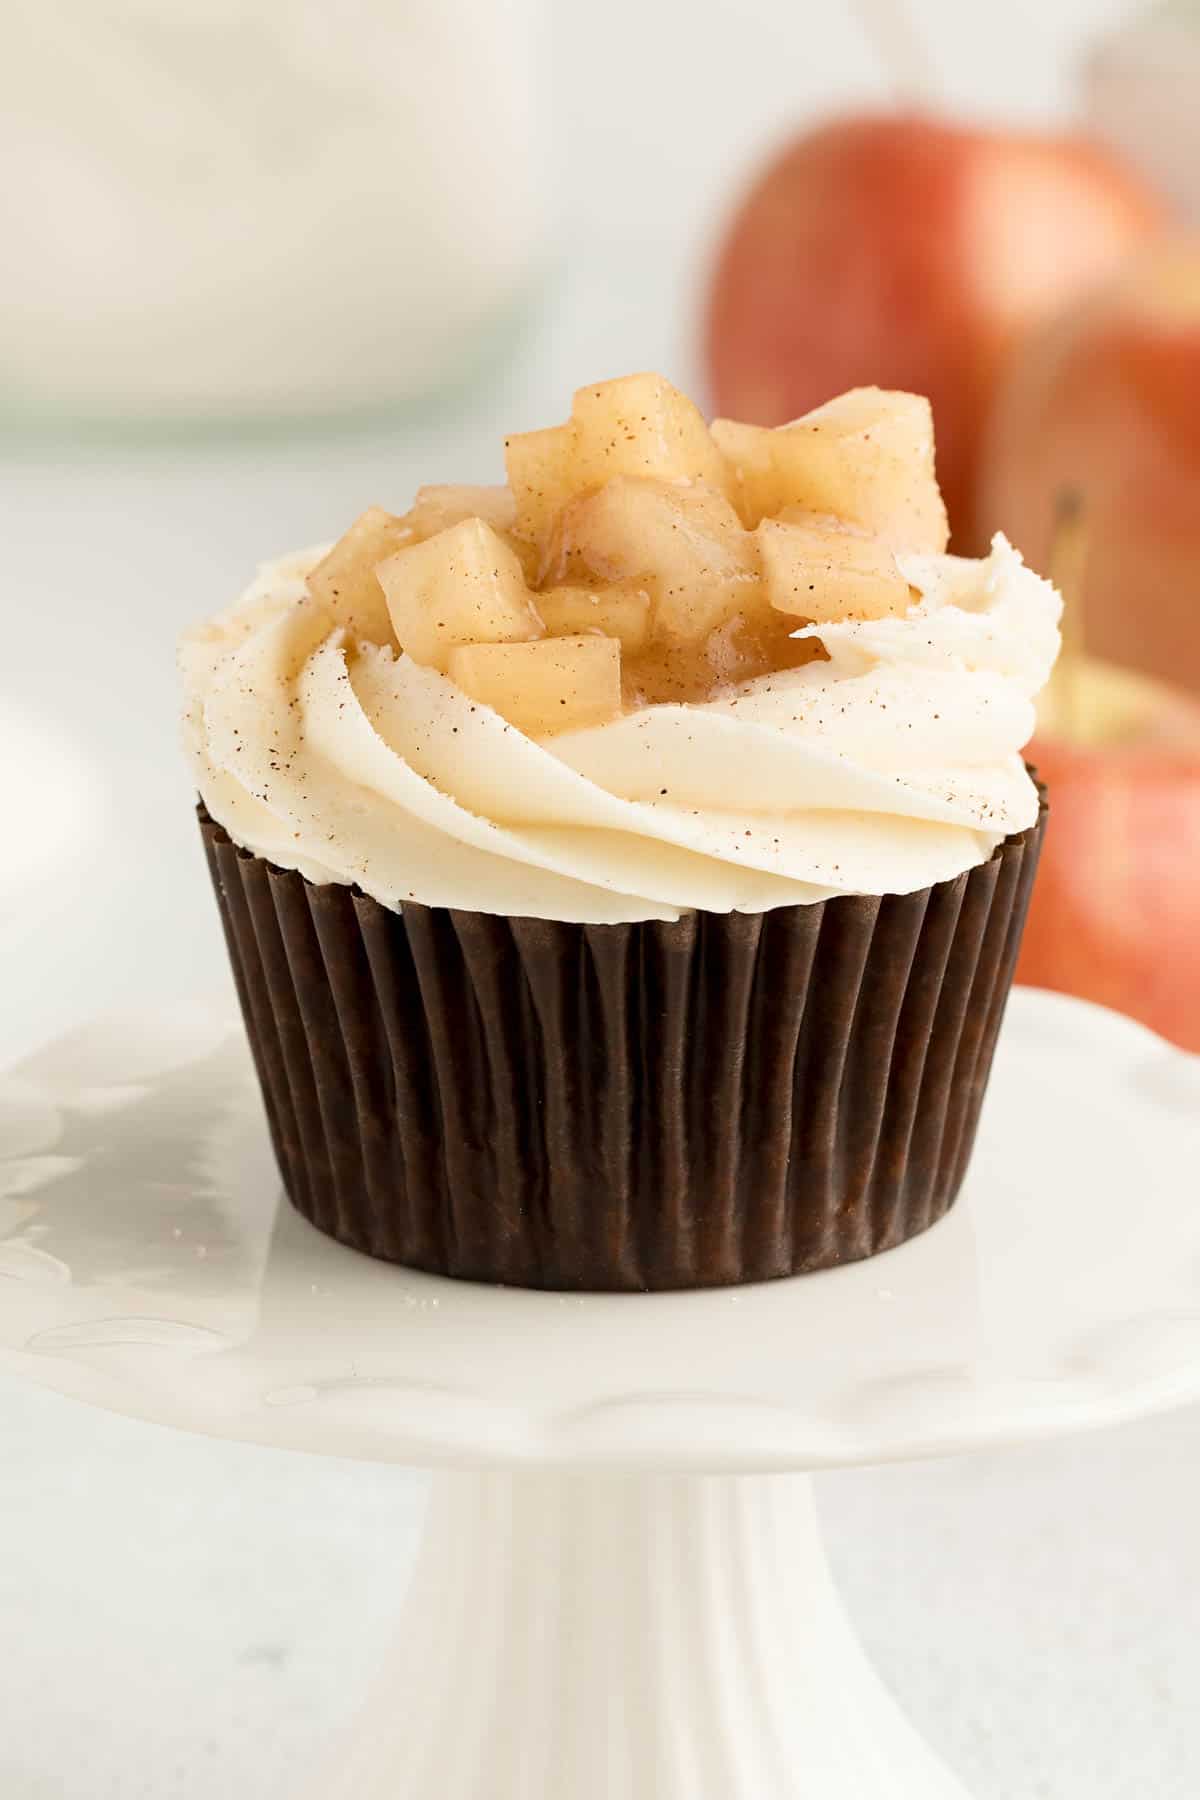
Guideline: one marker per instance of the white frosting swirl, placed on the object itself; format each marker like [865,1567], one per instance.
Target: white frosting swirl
[891,766]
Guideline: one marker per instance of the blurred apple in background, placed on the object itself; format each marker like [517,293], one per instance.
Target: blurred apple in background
[1116,906]
[1106,400]
[908,252]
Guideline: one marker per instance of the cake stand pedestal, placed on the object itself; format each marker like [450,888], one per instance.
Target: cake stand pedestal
[621,1594]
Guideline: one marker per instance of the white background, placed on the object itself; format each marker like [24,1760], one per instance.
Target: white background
[183,1619]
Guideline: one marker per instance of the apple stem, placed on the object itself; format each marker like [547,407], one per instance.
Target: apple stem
[1068,572]
[888,27]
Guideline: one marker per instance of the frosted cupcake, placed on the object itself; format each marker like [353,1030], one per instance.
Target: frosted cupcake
[623,870]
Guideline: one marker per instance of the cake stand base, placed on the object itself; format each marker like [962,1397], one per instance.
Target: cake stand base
[631,1603]
[649,1637]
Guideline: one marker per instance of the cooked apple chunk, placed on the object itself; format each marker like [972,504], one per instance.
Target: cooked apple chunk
[540,468]
[686,545]
[559,684]
[866,457]
[822,574]
[437,507]
[618,612]
[344,582]
[639,425]
[464,586]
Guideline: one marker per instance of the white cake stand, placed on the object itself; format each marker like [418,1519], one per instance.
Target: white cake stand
[621,1594]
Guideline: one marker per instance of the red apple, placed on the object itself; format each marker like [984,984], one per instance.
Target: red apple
[1105,400]
[906,252]
[1116,906]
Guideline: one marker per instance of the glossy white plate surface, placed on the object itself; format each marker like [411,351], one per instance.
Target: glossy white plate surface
[149,1265]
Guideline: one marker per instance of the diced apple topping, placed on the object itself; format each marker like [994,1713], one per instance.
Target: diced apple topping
[540,468]
[345,583]
[464,586]
[866,457]
[441,505]
[686,544]
[821,573]
[639,425]
[559,684]
[740,650]
[638,557]
[617,612]
[438,507]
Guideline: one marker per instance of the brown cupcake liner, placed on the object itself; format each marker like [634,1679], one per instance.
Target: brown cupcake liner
[730,1098]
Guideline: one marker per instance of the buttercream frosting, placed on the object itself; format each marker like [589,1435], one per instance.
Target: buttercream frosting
[892,764]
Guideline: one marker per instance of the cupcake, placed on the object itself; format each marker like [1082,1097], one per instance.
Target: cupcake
[623,869]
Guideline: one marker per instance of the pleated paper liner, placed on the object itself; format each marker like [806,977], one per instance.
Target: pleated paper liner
[726,1099]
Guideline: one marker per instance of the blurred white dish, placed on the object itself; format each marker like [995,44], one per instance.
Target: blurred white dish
[218,211]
